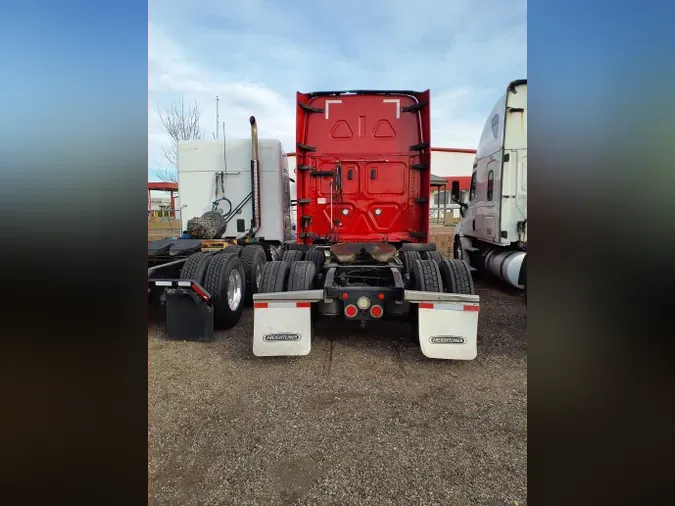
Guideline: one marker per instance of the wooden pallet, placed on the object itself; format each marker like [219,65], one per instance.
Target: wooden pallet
[215,244]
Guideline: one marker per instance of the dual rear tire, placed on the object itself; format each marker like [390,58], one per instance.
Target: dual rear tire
[225,280]
[437,274]
[283,276]
[296,271]
[222,275]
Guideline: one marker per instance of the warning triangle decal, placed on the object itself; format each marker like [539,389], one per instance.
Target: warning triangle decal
[384,130]
[341,130]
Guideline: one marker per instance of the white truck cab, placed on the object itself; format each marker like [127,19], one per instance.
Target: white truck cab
[492,233]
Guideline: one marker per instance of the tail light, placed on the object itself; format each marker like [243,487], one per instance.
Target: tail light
[376,311]
[351,311]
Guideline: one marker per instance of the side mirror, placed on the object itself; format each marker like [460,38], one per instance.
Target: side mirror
[455,191]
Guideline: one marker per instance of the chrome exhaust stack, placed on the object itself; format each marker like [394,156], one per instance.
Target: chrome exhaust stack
[255,179]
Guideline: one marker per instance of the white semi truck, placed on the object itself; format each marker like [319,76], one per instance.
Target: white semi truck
[492,234]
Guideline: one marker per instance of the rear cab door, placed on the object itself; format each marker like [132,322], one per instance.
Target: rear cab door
[363,166]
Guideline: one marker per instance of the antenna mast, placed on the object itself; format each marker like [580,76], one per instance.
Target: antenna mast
[217,115]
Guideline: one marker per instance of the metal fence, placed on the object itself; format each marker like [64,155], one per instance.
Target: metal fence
[164,213]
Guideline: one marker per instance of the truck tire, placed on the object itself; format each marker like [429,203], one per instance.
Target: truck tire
[436,256]
[226,282]
[457,277]
[290,246]
[274,277]
[301,276]
[408,258]
[427,276]
[253,258]
[418,246]
[293,255]
[317,256]
[195,267]
[235,249]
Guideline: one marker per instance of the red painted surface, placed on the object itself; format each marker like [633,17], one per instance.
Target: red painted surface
[372,145]
[444,150]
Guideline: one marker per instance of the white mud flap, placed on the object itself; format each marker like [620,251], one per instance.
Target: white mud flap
[282,323]
[448,324]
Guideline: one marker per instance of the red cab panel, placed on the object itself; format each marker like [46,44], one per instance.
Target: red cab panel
[363,166]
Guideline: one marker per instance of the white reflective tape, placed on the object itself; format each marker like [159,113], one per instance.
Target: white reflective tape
[321,200]
[185,283]
[396,101]
[328,102]
[162,283]
[282,305]
[448,306]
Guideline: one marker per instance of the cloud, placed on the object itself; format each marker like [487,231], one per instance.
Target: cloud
[256,54]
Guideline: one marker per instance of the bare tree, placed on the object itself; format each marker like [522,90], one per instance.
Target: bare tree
[181,122]
[168,175]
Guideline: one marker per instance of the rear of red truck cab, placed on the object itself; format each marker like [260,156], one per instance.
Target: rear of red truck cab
[379,144]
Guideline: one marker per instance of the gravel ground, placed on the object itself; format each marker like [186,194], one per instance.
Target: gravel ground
[365,419]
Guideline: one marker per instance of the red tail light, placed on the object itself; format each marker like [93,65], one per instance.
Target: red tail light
[200,292]
[376,311]
[351,311]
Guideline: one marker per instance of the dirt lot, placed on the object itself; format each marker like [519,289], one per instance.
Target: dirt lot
[364,419]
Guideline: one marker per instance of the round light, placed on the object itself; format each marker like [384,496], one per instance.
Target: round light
[381,296]
[344,295]
[345,212]
[378,211]
[351,311]
[363,303]
[376,311]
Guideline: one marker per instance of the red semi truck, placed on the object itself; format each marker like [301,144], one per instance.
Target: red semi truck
[362,250]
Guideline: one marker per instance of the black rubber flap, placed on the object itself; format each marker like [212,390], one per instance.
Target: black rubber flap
[188,317]
[185,247]
[160,247]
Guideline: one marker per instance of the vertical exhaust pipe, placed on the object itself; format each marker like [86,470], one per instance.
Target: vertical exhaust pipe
[255,179]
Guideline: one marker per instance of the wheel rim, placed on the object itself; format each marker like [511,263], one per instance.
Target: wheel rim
[258,275]
[234,290]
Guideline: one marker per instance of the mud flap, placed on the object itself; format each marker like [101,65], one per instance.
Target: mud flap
[188,317]
[448,324]
[189,314]
[282,323]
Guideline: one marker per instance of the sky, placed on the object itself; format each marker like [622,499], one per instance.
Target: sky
[256,54]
